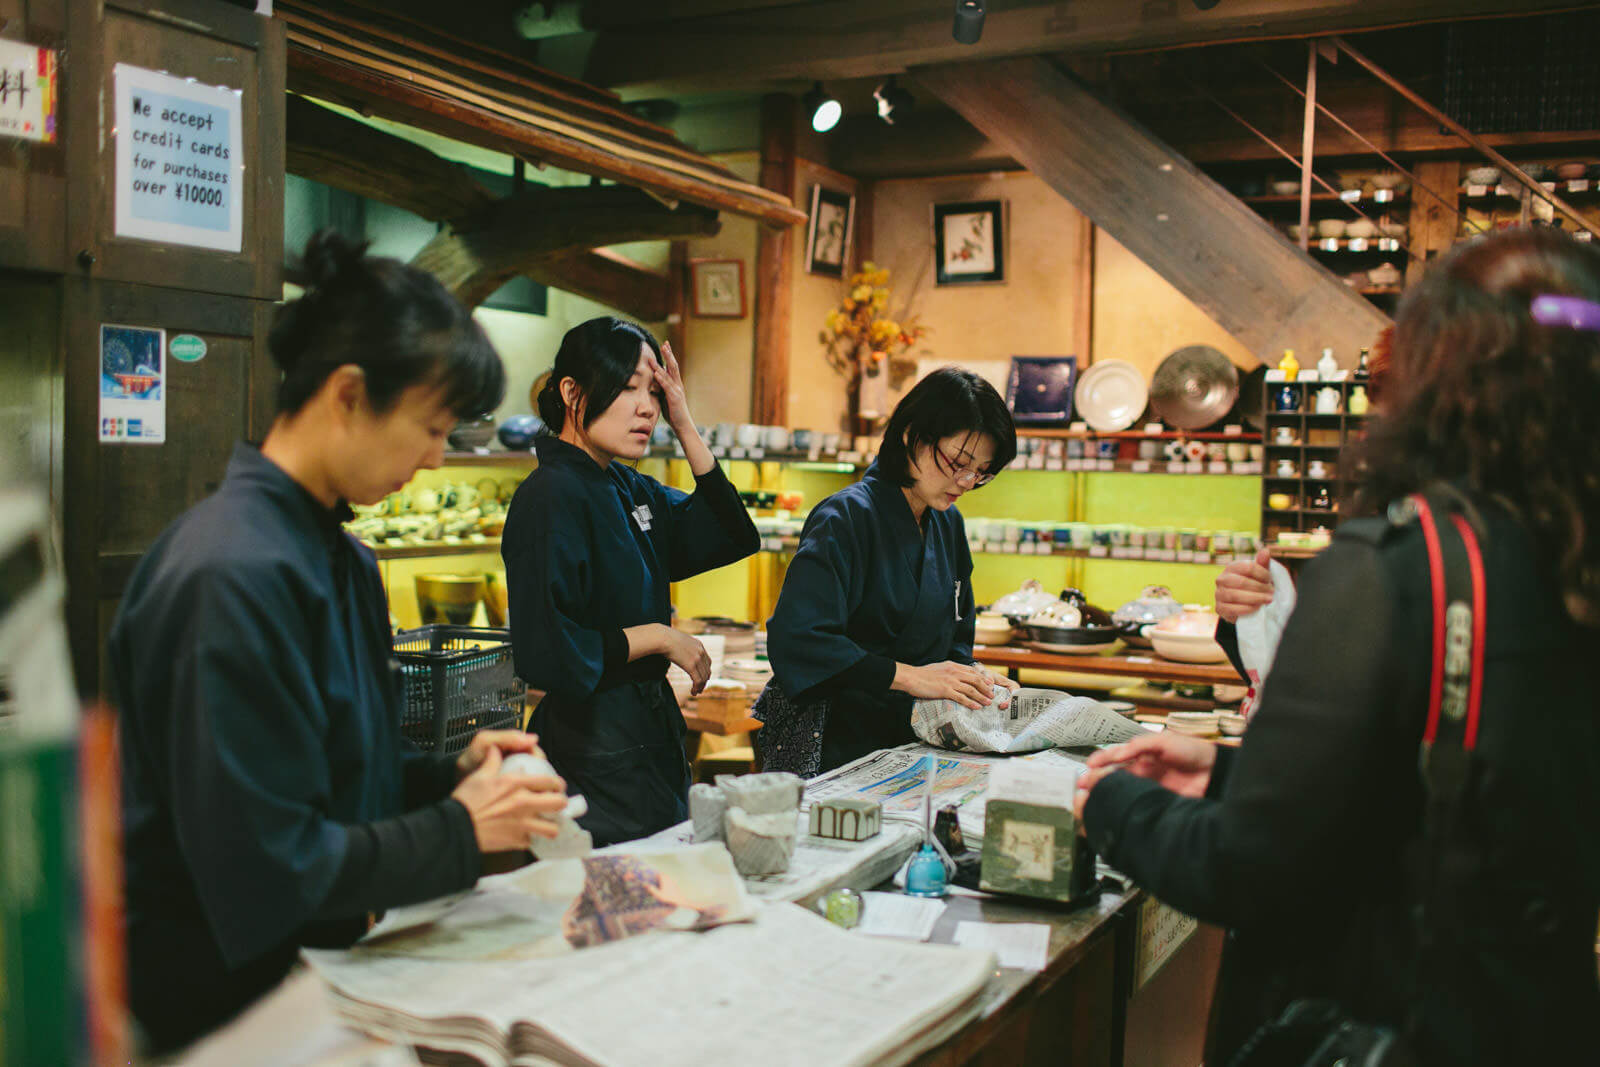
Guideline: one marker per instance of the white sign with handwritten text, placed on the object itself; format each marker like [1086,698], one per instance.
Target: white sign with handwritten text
[180,160]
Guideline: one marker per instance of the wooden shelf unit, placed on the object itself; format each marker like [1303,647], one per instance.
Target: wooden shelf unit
[1333,431]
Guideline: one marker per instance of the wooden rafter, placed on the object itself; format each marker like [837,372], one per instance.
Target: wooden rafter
[529,229]
[341,53]
[330,148]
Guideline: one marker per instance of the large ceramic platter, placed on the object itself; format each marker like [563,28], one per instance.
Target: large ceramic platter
[1194,387]
[1111,395]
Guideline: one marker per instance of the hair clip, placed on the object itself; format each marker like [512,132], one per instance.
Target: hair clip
[1571,311]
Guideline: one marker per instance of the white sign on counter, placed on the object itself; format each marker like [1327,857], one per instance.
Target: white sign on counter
[1162,932]
[180,165]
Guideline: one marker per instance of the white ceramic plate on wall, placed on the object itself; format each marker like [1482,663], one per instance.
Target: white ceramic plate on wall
[1111,395]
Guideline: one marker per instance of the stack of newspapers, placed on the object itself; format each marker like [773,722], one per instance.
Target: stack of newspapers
[645,958]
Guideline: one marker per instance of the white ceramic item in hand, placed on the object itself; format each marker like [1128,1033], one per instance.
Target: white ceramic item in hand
[571,840]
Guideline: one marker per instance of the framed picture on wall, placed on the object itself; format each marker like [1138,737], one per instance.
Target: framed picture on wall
[969,242]
[718,288]
[833,217]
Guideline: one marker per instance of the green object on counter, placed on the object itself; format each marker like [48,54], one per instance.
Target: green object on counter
[842,907]
[1034,851]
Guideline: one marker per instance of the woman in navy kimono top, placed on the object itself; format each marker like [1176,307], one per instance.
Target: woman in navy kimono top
[269,801]
[591,547]
[877,607]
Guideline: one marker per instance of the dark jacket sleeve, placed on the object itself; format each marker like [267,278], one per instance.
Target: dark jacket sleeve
[1228,638]
[420,855]
[249,775]
[710,527]
[426,777]
[549,578]
[1298,796]
[811,653]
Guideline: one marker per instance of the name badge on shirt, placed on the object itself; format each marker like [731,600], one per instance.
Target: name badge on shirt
[958,602]
[641,515]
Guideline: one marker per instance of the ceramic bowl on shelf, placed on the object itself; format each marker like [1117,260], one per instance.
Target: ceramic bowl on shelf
[1360,228]
[1571,171]
[1285,188]
[1186,648]
[448,598]
[1391,227]
[1384,274]
[1330,227]
[472,433]
[1483,176]
[992,629]
[1021,603]
[517,432]
[1296,231]
[1134,618]
[1387,179]
[1352,180]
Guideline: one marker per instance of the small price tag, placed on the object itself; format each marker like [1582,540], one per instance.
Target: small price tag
[1217,466]
[1477,190]
[1578,185]
[1154,428]
[1140,466]
[1358,244]
[1194,466]
[718,452]
[1105,465]
[1079,427]
[1175,467]
[758,453]
[1053,464]
[1350,196]
[1233,431]
[815,453]
[1382,196]
[1185,555]
[1099,551]
[737,453]
[1074,464]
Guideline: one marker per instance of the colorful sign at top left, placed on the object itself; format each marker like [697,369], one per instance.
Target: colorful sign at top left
[27,92]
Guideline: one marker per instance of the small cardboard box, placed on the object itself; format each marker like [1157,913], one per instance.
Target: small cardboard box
[1035,851]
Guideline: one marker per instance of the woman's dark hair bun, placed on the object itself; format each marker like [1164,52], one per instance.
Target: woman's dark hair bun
[395,322]
[329,255]
[552,409]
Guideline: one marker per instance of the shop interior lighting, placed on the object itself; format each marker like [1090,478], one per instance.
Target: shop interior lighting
[969,21]
[892,100]
[824,109]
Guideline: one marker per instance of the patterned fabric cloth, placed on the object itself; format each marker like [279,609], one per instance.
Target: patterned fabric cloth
[791,735]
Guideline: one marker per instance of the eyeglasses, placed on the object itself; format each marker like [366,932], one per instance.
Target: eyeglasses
[970,477]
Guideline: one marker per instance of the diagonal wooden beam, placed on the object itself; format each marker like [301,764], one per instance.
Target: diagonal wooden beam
[331,148]
[538,227]
[1194,233]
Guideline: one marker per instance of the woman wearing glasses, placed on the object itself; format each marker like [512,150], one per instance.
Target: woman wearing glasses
[877,607]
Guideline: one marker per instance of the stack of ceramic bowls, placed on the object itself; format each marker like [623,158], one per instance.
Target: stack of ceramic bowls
[1193,723]
[1231,724]
[754,673]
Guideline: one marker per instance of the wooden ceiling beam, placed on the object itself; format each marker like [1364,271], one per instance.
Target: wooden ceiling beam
[534,230]
[1206,243]
[335,150]
[837,39]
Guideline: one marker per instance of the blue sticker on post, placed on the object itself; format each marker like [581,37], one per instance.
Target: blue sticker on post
[133,385]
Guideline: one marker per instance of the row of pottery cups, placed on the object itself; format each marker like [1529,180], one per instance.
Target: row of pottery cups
[778,438]
[982,533]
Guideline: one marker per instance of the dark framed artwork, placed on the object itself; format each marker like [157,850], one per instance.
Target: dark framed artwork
[969,242]
[1039,389]
[833,217]
[717,287]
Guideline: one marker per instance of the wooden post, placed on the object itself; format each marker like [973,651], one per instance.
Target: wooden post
[1308,139]
[1434,222]
[769,401]
[677,297]
[1083,295]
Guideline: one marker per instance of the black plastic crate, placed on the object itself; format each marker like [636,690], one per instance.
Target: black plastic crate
[457,680]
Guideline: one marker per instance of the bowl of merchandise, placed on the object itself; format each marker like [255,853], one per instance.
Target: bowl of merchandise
[1019,604]
[1135,618]
[1188,637]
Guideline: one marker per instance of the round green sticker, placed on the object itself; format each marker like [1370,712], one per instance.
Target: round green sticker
[187,348]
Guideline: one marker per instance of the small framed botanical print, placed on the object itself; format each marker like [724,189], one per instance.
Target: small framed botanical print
[969,242]
[833,217]
[718,288]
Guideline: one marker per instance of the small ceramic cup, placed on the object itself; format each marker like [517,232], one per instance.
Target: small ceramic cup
[775,439]
[1237,451]
[1283,435]
[1149,448]
[1106,448]
[747,435]
[1216,451]
[800,440]
[1173,450]
[1286,469]
[1074,448]
[1195,451]
[1316,469]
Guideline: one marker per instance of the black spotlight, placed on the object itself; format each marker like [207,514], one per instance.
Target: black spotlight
[969,21]
[823,109]
[1205,5]
[892,100]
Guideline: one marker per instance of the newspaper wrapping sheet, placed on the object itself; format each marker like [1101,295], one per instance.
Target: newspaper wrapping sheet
[1031,720]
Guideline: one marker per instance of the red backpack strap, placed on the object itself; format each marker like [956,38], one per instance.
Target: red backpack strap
[1456,575]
